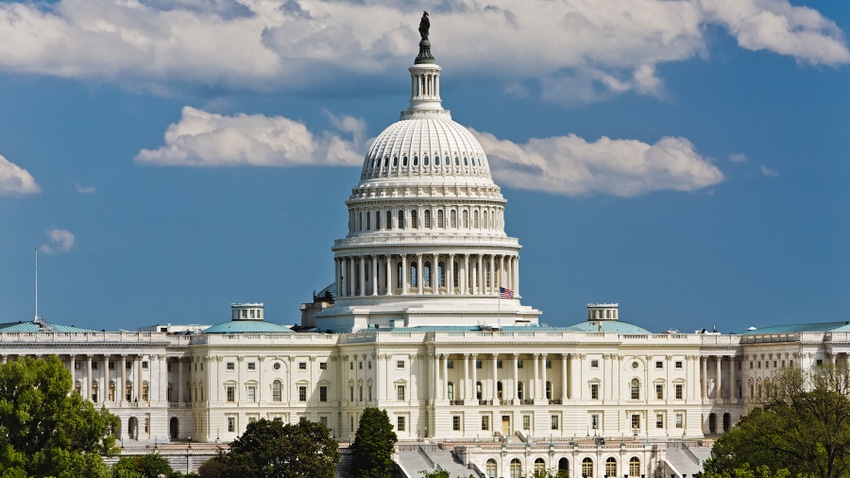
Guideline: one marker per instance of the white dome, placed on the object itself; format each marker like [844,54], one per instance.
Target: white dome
[422,147]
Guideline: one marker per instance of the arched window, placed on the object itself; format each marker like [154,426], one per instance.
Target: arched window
[450,391]
[426,274]
[455,274]
[414,219]
[548,390]
[491,468]
[395,161]
[727,421]
[635,389]
[413,274]
[441,274]
[499,390]
[425,159]
[448,161]
[368,221]
[360,221]
[465,219]
[378,220]
[539,467]
[399,273]
[475,219]
[401,219]
[611,466]
[478,390]
[441,223]
[389,220]
[404,161]
[484,220]
[564,467]
[519,390]
[453,216]
[516,468]
[587,467]
[277,391]
[634,466]
[712,423]
[427,219]
[415,160]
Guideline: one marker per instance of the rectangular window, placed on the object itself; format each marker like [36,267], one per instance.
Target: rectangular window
[323,365]
[302,393]
[323,394]
[751,365]
[548,364]
[679,365]
[594,364]
[659,391]
[679,391]
[112,366]
[519,364]
[231,424]
[680,420]
[456,423]
[498,364]
[127,365]
[400,392]
[323,420]
[252,394]
[252,365]
[351,366]
[450,364]
[659,365]
[94,365]
[231,366]
[399,364]
[635,421]
[144,364]
[526,422]
[594,422]
[478,364]
[485,422]
[594,391]
[231,393]
[659,420]
[555,421]
[302,365]
[400,424]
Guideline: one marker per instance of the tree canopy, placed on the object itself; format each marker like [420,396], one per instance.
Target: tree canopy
[372,450]
[270,449]
[802,429]
[151,465]
[45,430]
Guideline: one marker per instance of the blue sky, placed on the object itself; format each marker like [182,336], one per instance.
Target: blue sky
[686,159]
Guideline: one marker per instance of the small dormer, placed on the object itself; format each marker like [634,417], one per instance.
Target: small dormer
[246,311]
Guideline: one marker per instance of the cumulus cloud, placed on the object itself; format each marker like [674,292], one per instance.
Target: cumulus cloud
[571,166]
[84,189]
[572,47]
[61,240]
[201,138]
[15,180]
[769,172]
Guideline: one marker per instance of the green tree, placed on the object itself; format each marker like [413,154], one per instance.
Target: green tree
[45,430]
[145,466]
[802,428]
[372,450]
[269,449]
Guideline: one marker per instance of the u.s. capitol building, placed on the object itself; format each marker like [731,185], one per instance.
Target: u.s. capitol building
[424,319]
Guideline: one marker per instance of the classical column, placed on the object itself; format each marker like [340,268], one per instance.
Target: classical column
[733,388]
[419,274]
[515,377]
[474,365]
[543,376]
[239,383]
[534,383]
[362,275]
[122,387]
[445,384]
[495,389]
[103,389]
[352,283]
[450,275]
[464,279]
[481,282]
[389,275]
[564,378]
[465,387]
[87,388]
[492,284]
[337,276]
[180,384]
[405,275]
[516,276]
[375,275]
[73,369]
[718,390]
[138,387]
[435,278]
[704,378]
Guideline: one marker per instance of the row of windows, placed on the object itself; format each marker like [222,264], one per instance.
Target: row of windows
[231,366]
[377,221]
[379,164]
[111,365]
[659,365]
[635,418]
[277,392]
[491,468]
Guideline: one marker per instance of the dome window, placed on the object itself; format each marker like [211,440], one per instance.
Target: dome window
[404,161]
[425,159]
[448,161]
[472,158]
[415,161]
[395,161]
[465,161]
[457,161]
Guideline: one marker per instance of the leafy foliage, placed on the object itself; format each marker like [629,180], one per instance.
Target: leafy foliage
[146,466]
[372,450]
[269,449]
[45,430]
[801,430]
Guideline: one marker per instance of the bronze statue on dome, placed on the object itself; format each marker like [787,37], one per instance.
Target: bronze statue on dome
[424,25]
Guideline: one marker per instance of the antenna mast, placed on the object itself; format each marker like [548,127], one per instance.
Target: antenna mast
[36,284]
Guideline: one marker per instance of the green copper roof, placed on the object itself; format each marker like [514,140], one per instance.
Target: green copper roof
[31,327]
[617,326]
[248,327]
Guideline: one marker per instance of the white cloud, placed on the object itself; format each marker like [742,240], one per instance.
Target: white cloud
[769,172]
[84,189]
[208,139]
[61,240]
[570,166]
[776,25]
[15,180]
[577,49]
[738,158]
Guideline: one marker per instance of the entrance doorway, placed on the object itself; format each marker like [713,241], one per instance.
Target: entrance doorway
[506,425]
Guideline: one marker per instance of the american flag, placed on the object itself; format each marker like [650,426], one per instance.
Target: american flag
[505,293]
